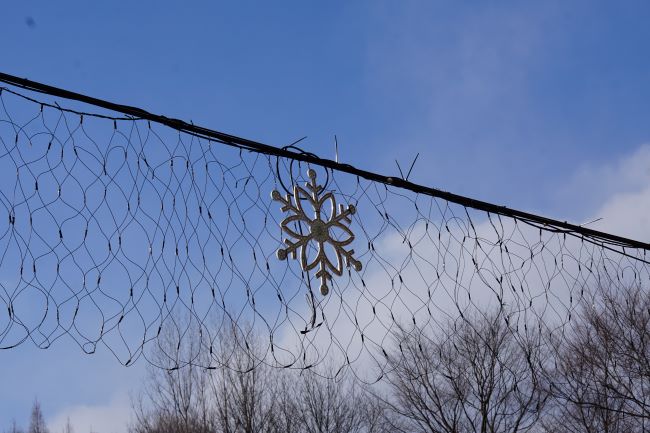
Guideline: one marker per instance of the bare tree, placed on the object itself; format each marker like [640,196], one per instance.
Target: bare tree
[601,378]
[244,388]
[37,422]
[286,409]
[377,416]
[237,395]
[335,405]
[14,427]
[242,394]
[176,397]
[476,375]
[68,426]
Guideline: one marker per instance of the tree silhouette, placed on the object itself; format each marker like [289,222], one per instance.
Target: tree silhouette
[37,422]
[601,377]
[476,375]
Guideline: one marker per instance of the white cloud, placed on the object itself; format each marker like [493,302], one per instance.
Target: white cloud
[598,188]
[614,195]
[627,214]
[110,417]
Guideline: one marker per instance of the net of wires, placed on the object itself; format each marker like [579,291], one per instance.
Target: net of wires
[117,230]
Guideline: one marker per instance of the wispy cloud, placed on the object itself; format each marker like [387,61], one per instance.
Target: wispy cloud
[112,416]
[595,188]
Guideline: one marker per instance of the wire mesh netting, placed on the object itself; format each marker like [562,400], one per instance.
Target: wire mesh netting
[117,227]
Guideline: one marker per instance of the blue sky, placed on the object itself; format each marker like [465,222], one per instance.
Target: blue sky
[536,105]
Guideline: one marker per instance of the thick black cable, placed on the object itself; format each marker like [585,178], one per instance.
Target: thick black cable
[244,143]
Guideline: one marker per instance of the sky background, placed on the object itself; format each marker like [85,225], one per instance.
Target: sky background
[541,106]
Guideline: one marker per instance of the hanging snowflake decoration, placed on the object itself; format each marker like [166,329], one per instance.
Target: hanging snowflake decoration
[321,229]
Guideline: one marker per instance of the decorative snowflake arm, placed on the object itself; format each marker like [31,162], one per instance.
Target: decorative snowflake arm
[319,231]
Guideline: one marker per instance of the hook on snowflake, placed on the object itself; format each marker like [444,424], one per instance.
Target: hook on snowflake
[321,227]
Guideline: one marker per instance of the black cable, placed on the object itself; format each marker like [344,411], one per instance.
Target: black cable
[313,159]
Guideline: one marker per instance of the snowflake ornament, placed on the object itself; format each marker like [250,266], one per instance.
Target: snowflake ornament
[321,229]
